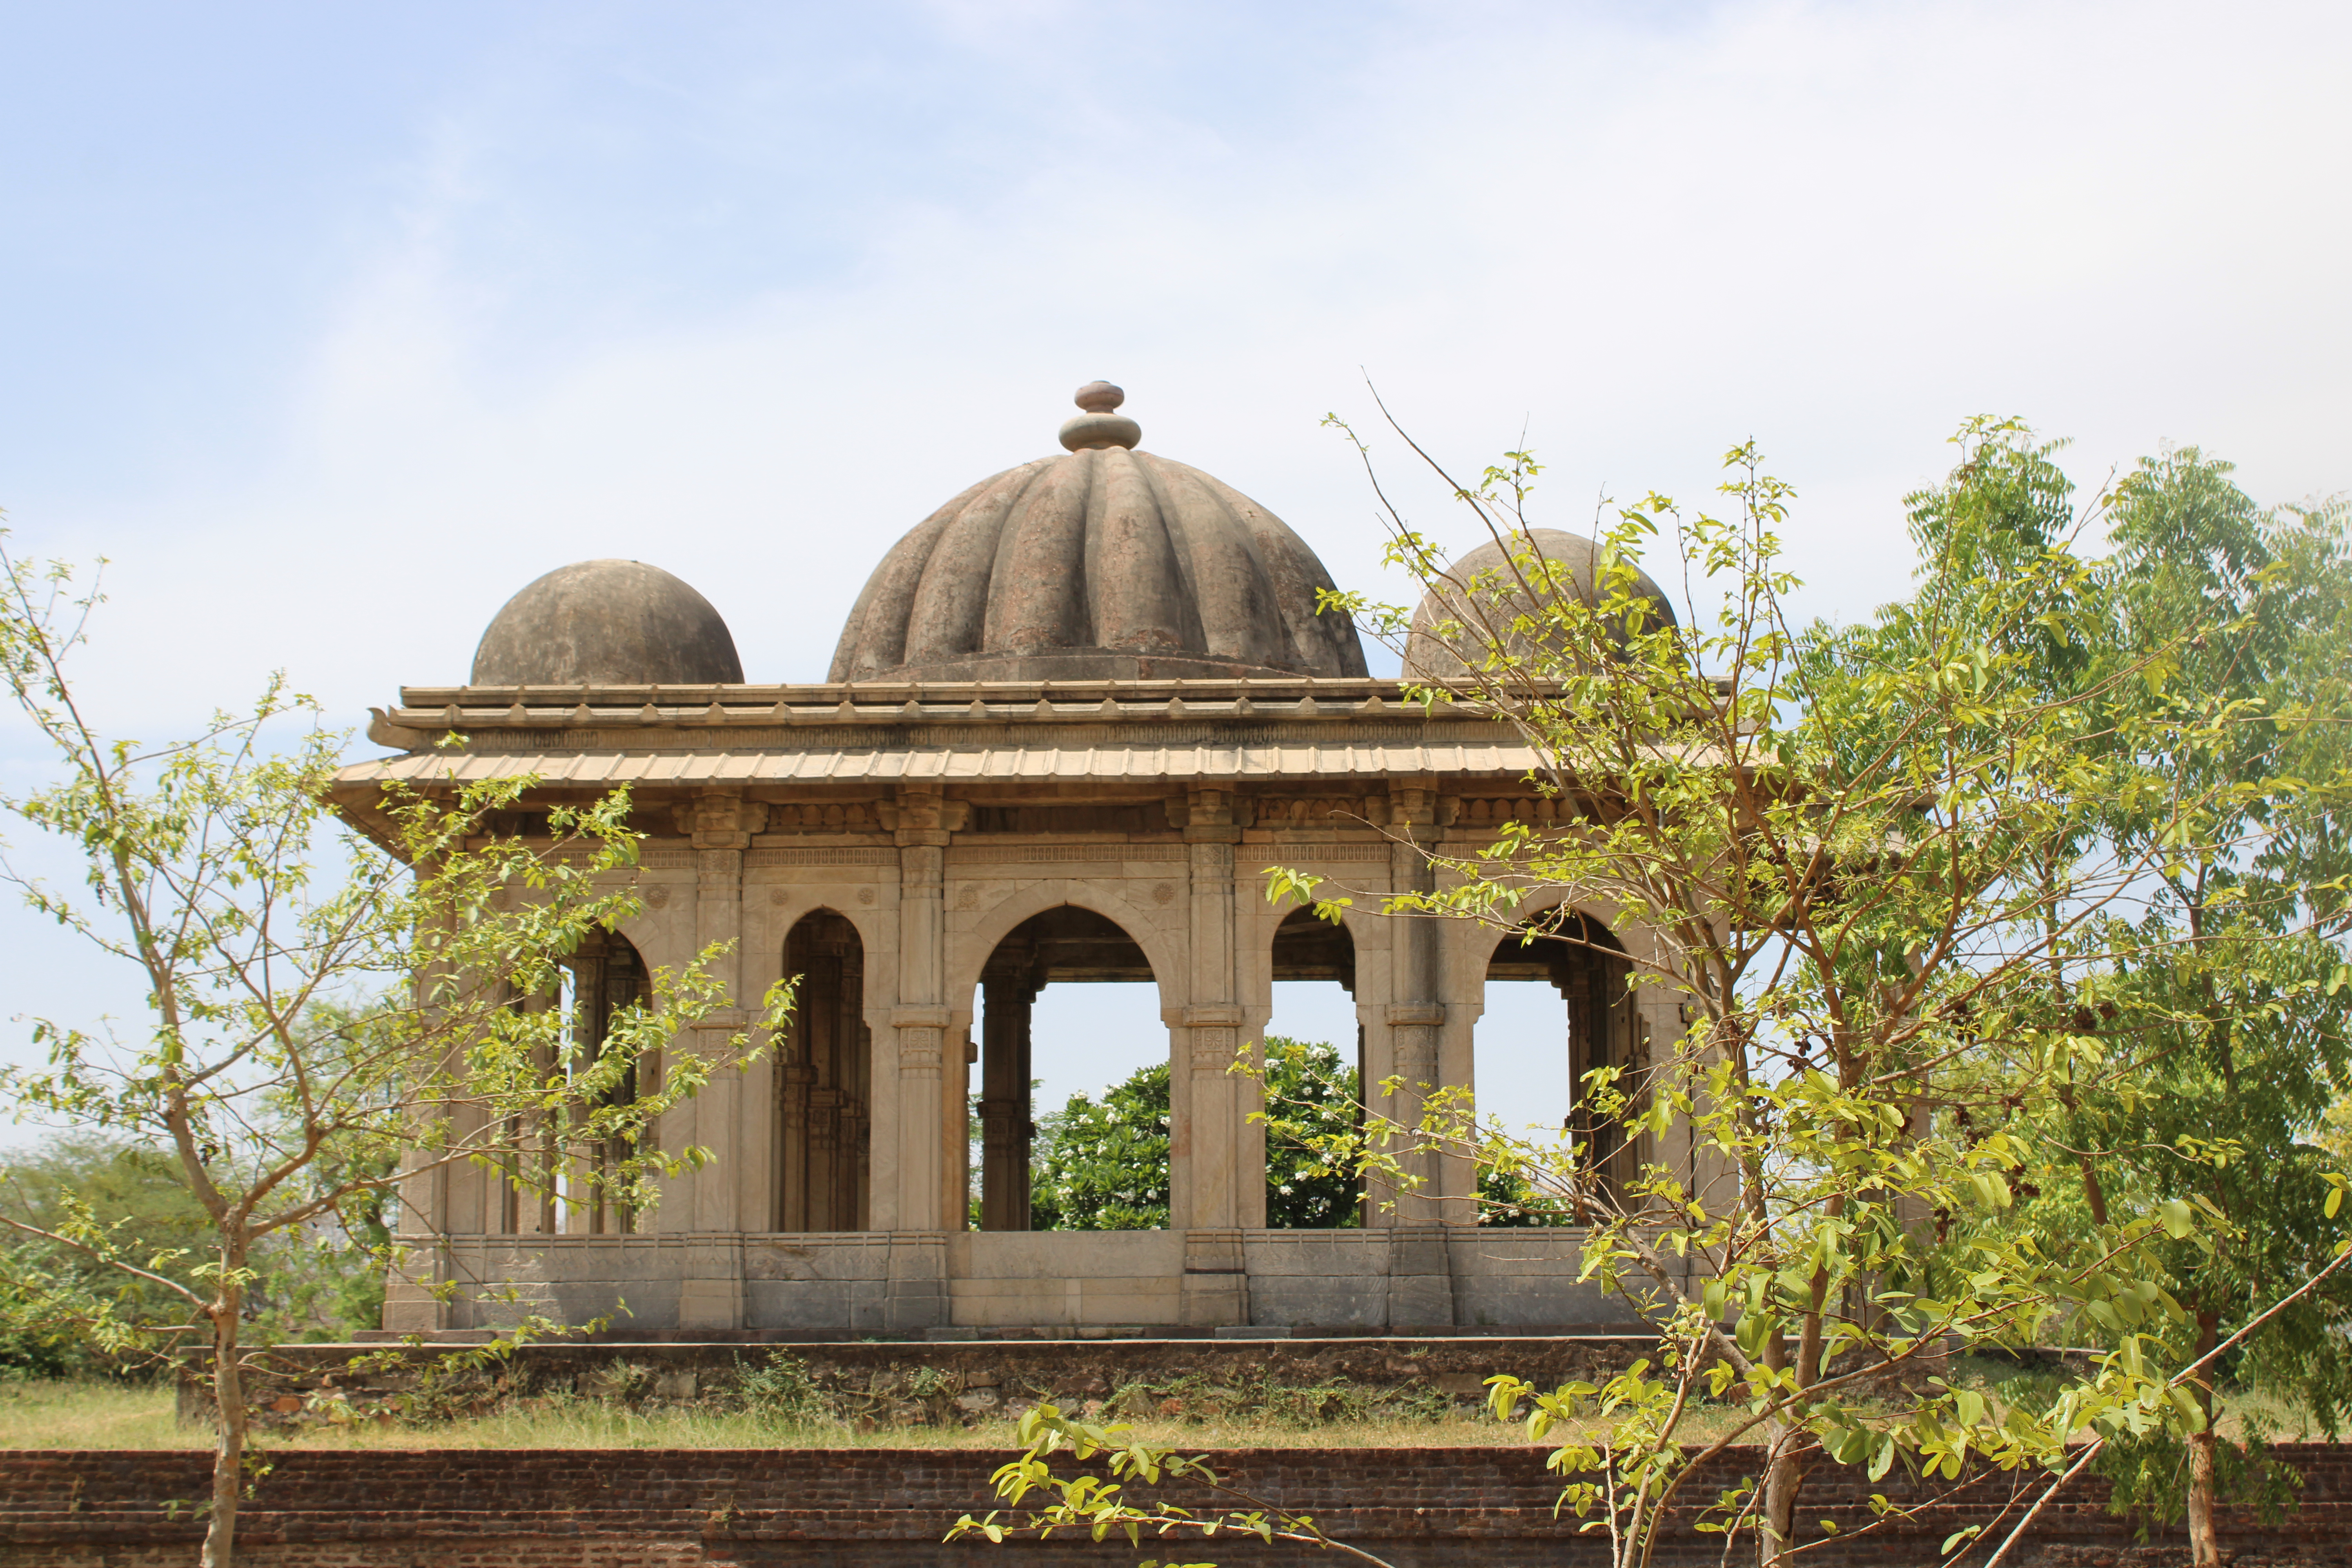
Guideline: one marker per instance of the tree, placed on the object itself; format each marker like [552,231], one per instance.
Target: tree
[314,1040]
[2229,1011]
[1103,1165]
[146,1208]
[1318,1096]
[1875,866]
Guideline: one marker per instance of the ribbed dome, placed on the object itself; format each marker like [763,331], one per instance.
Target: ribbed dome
[1105,563]
[607,623]
[1488,610]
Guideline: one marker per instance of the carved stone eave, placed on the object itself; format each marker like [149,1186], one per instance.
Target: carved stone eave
[427,714]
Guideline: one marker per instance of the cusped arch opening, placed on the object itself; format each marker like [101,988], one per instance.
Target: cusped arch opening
[1314,1074]
[1095,1160]
[1534,1053]
[602,978]
[823,1054]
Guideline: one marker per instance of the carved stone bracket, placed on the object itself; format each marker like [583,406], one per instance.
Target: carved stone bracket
[720,820]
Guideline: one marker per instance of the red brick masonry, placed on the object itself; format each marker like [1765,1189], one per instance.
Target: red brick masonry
[888,1508]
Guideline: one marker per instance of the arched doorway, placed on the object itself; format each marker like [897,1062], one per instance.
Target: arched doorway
[1324,1090]
[1066,945]
[1583,961]
[823,1067]
[604,976]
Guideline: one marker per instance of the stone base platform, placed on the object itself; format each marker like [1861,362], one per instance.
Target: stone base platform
[817,1286]
[928,1383]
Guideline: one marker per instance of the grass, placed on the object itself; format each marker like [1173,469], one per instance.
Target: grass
[91,1416]
[110,1416]
[54,1415]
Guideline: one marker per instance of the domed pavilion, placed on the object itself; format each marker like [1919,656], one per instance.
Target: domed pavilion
[1073,716]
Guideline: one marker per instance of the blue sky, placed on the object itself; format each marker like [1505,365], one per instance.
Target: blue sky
[332,326]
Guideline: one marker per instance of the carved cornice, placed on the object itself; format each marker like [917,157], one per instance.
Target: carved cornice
[691,718]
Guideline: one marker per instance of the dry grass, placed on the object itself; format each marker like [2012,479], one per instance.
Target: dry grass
[91,1416]
[107,1415]
[110,1416]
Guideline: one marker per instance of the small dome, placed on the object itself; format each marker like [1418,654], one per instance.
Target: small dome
[607,623]
[1429,657]
[1105,563]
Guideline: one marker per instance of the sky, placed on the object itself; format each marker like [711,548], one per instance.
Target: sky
[331,327]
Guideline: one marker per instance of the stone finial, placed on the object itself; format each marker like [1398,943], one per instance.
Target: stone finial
[1099,426]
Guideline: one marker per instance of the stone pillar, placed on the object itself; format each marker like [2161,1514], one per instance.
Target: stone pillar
[927,1174]
[1005,1112]
[1415,1016]
[1209,1026]
[410,1303]
[1660,1027]
[1207,1143]
[718,918]
[711,1295]
[924,1171]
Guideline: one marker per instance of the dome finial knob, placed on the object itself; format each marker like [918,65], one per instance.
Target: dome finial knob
[1099,426]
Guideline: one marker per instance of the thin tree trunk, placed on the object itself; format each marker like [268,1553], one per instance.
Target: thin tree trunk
[228,1446]
[2204,1542]
[1787,1462]
[1784,1478]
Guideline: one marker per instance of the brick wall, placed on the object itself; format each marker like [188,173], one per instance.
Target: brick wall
[888,1508]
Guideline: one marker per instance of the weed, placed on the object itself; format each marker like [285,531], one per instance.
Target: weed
[781,1391]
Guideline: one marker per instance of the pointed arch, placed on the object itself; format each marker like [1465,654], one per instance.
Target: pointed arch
[1066,942]
[1574,952]
[823,1131]
[971,946]
[1306,949]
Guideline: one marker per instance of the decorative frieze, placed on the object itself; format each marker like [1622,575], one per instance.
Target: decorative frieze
[1322,811]
[826,817]
[1027,853]
[1115,818]
[1484,811]
[1307,852]
[837,855]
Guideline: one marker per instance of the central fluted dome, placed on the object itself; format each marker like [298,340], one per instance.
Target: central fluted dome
[1105,563]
